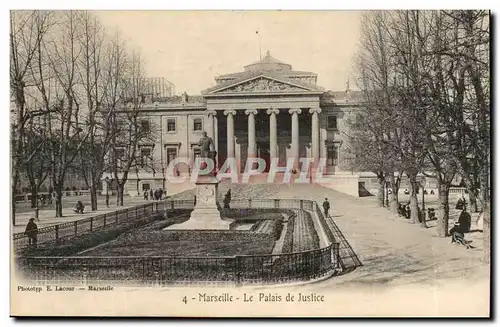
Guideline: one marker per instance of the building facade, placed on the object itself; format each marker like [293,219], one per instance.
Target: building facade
[266,111]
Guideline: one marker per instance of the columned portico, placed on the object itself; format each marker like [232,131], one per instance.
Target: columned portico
[315,134]
[216,131]
[252,146]
[230,132]
[295,134]
[210,129]
[273,133]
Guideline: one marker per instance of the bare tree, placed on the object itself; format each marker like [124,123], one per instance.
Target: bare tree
[128,132]
[66,132]
[95,81]
[27,30]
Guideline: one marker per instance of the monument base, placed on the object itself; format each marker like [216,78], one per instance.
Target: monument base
[206,214]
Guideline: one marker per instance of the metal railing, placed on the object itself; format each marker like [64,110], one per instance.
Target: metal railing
[87,225]
[150,270]
[70,229]
[26,197]
[238,270]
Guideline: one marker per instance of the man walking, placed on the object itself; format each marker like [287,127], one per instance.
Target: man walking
[326,207]
[32,232]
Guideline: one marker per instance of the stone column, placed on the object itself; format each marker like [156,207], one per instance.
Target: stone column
[216,132]
[273,133]
[252,146]
[315,134]
[230,132]
[210,126]
[295,134]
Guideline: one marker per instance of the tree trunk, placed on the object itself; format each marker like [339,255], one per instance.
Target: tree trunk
[34,195]
[119,196]
[381,184]
[93,197]
[413,199]
[486,232]
[394,204]
[443,214]
[59,192]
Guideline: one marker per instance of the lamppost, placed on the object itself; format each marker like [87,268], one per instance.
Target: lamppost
[36,199]
[107,191]
[423,183]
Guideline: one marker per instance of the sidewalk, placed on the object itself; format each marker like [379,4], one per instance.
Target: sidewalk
[47,215]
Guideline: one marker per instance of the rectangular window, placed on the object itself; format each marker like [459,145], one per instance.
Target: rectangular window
[146,187]
[171,154]
[331,122]
[332,156]
[145,126]
[171,126]
[197,124]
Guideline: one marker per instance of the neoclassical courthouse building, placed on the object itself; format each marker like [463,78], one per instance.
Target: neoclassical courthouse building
[267,111]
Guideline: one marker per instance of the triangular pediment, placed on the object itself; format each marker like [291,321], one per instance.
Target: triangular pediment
[262,84]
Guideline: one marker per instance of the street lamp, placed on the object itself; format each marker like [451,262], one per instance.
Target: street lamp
[107,191]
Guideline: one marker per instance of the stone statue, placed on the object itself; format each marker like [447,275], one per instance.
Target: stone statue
[207,150]
[206,145]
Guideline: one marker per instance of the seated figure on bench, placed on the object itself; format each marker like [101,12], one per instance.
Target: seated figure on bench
[458,236]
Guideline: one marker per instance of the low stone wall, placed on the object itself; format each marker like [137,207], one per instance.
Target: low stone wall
[348,184]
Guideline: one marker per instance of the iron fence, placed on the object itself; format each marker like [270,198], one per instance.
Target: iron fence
[87,225]
[242,269]
[238,270]
[70,229]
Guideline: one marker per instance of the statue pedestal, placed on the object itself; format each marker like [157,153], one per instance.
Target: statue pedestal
[206,214]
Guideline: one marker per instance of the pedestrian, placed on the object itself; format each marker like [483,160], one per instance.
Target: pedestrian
[227,200]
[326,207]
[151,194]
[464,220]
[146,195]
[32,232]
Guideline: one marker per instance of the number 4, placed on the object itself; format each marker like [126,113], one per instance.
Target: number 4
[185,300]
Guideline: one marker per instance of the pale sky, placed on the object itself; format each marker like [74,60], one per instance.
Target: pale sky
[190,48]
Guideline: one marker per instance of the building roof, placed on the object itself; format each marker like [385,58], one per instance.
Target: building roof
[238,75]
[268,63]
[335,97]
[182,99]
[269,74]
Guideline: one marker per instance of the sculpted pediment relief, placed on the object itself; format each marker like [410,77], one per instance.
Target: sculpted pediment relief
[262,85]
